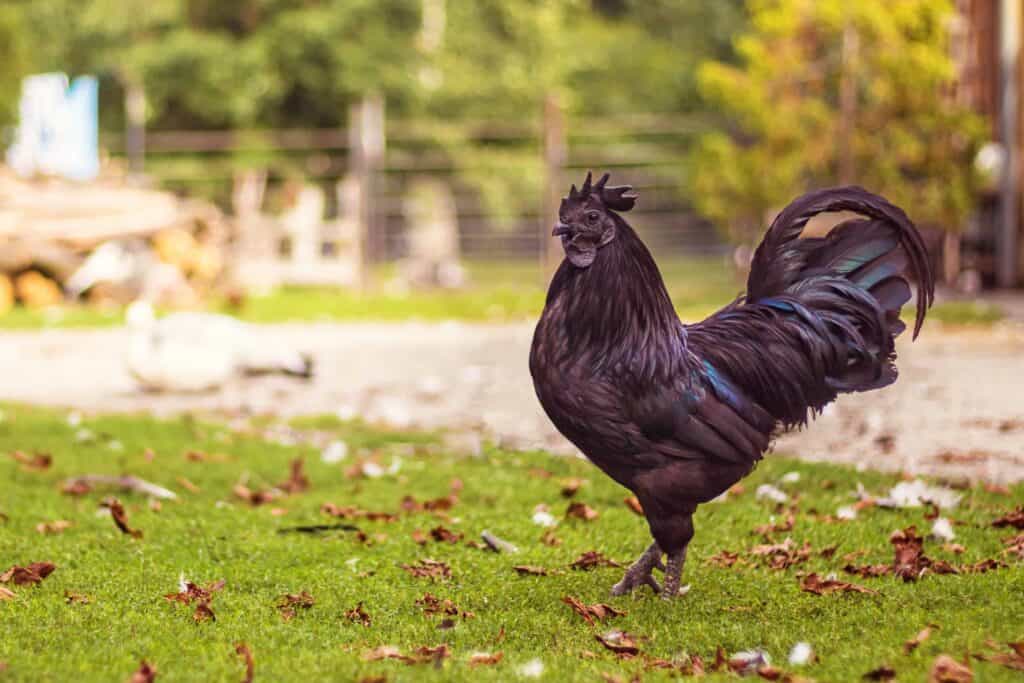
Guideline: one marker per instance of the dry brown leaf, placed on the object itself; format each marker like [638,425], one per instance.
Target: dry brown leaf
[245,652]
[32,574]
[621,643]
[194,593]
[868,570]
[485,658]
[1014,659]
[598,611]
[120,517]
[783,526]
[1014,546]
[948,670]
[530,570]
[146,673]
[434,570]
[204,613]
[633,503]
[188,485]
[882,673]
[55,527]
[725,558]
[37,461]
[419,537]
[578,510]
[251,497]
[549,539]
[359,615]
[6,594]
[909,562]
[592,559]
[812,583]
[571,486]
[350,512]
[297,481]
[290,603]
[783,555]
[922,635]
[954,548]
[443,535]
[1014,518]
[73,598]
[432,605]
[75,487]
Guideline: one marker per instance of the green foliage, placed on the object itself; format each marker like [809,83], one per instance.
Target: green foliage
[210,534]
[901,132]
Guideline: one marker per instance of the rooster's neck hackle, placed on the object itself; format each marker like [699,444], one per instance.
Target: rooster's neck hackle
[618,307]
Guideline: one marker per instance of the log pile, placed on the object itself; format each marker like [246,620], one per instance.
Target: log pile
[154,243]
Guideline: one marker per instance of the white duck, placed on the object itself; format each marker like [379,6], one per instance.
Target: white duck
[189,352]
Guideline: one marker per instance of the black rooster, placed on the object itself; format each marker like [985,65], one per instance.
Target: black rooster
[679,413]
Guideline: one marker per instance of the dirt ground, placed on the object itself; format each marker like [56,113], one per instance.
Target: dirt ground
[956,411]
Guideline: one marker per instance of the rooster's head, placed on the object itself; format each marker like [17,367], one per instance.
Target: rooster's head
[586,218]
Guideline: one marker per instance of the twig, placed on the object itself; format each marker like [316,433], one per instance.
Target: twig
[125,483]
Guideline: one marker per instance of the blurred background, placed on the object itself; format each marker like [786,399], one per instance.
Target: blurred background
[397,160]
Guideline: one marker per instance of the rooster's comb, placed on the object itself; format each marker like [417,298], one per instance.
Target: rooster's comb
[619,198]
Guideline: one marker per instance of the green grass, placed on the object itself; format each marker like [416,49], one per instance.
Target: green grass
[210,535]
[966,313]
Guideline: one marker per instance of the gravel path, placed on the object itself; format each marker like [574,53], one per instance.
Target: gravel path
[957,410]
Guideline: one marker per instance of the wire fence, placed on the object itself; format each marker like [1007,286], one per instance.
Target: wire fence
[645,150]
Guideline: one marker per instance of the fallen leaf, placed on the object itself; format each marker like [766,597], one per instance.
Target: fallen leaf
[571,486]
[954,548]
[37,461]
[245,653]
[419,537]
[592,559]
[981,567]
[188,485]
[598,611]
[120,517]
[254,498]
[619,642]
[725,558]
[633,503]
[429,569]
[7,594]
[54,527]
[72,598]
[1014,518]
[812,583]
[359,615]
[582,511]
[1014,659]
[350,512]
[485,658]
[204,613]
[443,535]
[948,670]
[910,561]
[1014,546]
[290,603]
[432,605]
[146,673]
[32,574]
[530,570]
[549,539]
[922,635]
[75,487]
[297,481]
[882,673]
[783,555]
[783,526]
[869,570]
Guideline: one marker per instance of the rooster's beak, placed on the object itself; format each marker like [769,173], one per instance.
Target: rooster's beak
[560,229]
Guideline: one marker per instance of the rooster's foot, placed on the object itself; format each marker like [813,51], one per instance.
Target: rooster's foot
[640,573]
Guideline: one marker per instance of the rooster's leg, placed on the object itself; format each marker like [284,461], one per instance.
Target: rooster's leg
[673,573]
[640,573]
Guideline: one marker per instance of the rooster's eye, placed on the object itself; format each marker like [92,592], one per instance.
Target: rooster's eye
[592,217]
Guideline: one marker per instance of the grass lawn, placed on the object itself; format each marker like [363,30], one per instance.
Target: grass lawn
[209,534]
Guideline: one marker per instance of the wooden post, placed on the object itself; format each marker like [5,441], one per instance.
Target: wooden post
[1009,207]
[555,157]
[366,143]
[135,126]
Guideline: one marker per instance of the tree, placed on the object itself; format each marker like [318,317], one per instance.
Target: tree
[829,92]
